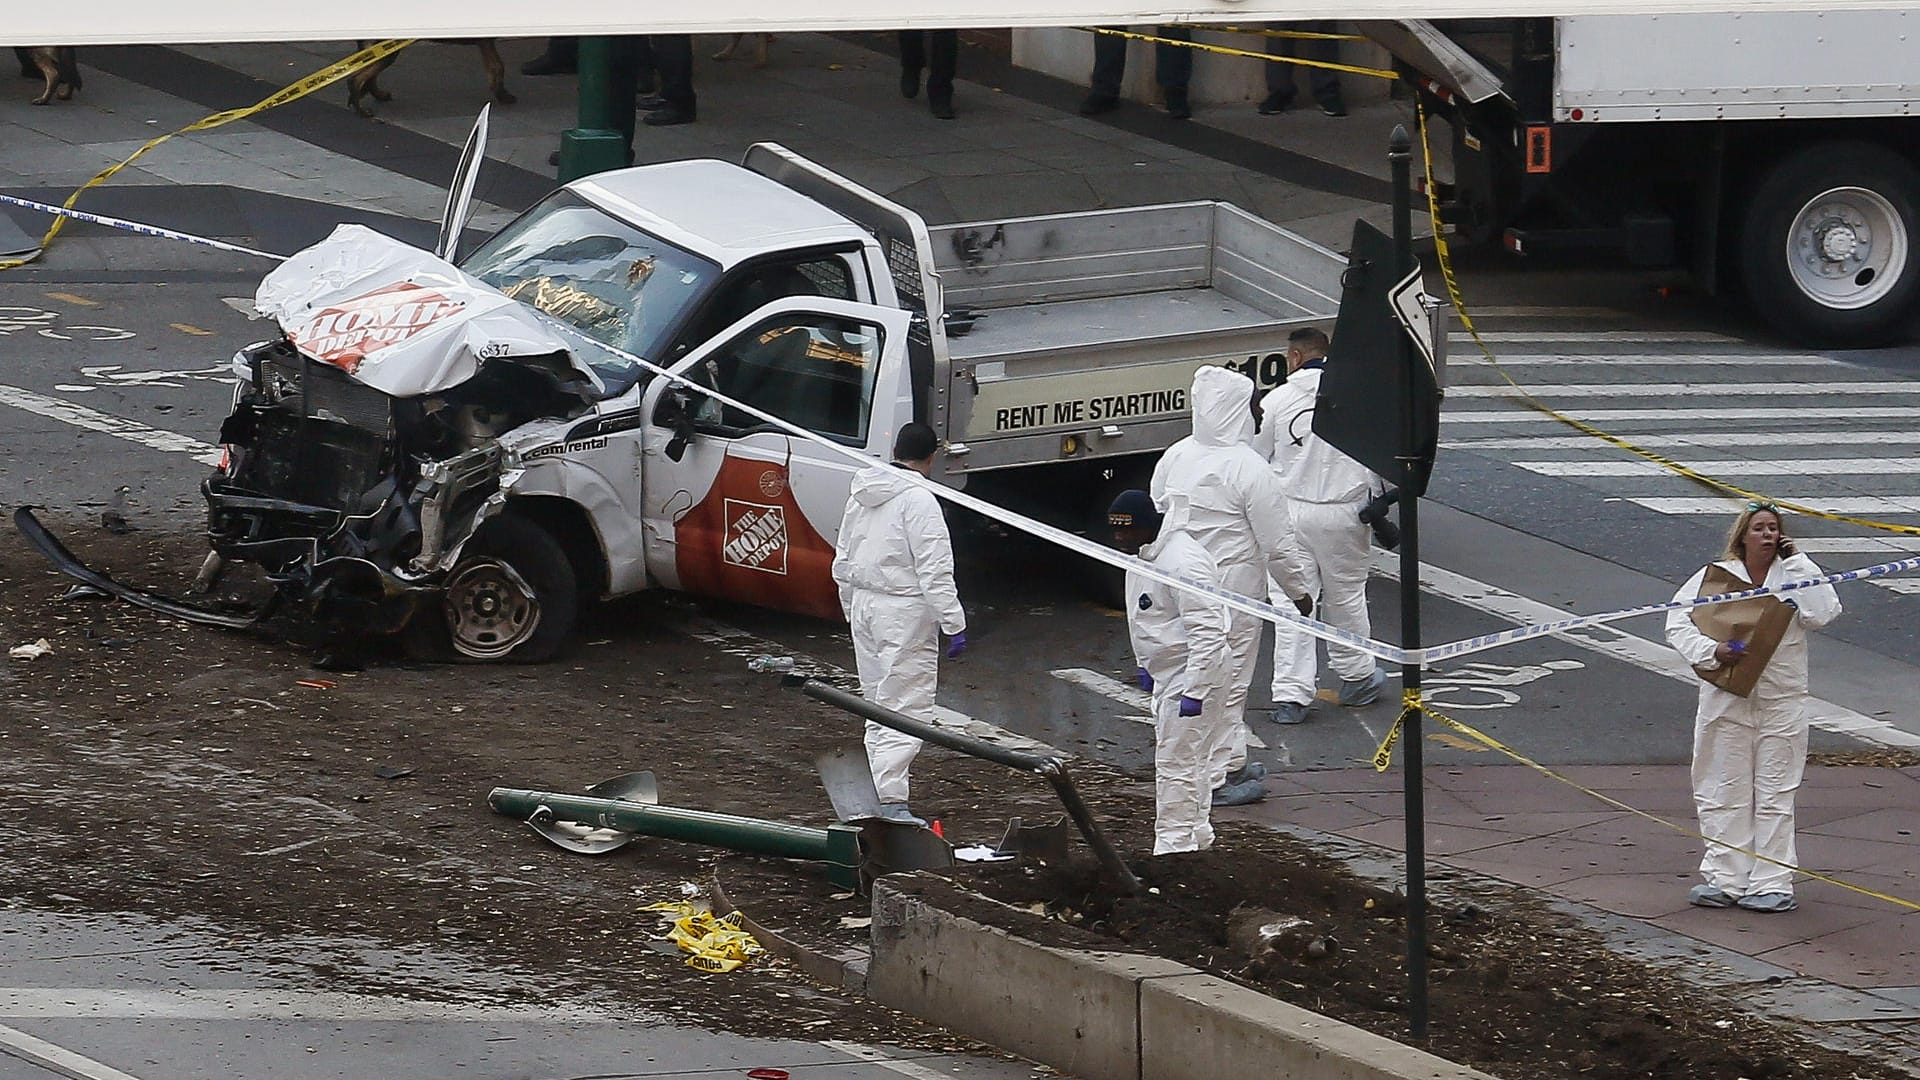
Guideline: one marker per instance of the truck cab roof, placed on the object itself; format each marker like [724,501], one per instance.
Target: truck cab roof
[716,208]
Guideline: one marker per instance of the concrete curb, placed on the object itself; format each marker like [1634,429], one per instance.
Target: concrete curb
[1093,1014]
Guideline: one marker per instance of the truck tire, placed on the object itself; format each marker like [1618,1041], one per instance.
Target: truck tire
[512,597]
[1827,245]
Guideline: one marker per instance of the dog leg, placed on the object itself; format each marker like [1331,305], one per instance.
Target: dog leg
[496,72]
[760,49]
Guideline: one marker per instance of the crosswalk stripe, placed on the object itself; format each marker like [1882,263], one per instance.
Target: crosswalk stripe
[1661,360]
[1859,504]
[1700,389]
[1520,414]
[1755,439]
[1893,466]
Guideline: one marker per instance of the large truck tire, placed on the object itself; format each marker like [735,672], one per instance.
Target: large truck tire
[1826,247]
[512,597]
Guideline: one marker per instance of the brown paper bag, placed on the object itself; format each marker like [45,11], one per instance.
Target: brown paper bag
[1760,622]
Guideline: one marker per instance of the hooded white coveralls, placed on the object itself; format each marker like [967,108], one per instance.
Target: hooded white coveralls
[1213,485]
[893,563]
[1325,490]
[1180,637]
[1749,753]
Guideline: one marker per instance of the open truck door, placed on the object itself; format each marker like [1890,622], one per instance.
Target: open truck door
[453,220]
[741,509]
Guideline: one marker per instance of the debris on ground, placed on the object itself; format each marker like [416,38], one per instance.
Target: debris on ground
[30,651]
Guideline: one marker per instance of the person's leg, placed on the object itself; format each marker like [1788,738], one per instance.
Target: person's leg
[673,61]
[1723,759]
[1340,544]
[1243,652]
[904,642]
[1279,74]
[943,47]
[1182,797]
[913,58]
[623,75]
[562,57]
[1779,762]
[1173,69]
[1325,81]
[1109,65]
[1295,678]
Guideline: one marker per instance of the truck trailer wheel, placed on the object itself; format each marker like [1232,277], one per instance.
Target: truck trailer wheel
[512,597]
[1827,246]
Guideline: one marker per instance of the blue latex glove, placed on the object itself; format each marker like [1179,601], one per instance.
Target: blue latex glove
[1189,706]
[956,645]
[1144,680]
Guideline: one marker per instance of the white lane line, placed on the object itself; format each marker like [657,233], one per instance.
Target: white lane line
[875,1056]
[737,642]
[57,1058]
[1872,545]
[1629,648]
[1662,360]
[1887,466]
[1792,414]
[1827,390]
[1712,505]
[93,420]
[1630,336]
[1907,586]
[88,1003]
[1137,701]
[1755,439]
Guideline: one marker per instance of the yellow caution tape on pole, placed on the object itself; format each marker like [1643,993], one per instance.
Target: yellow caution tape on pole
[1444,257]
[326,76]
[715,944]
[1413,705]
[1223,50]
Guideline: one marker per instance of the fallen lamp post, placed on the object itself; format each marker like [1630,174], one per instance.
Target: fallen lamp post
[1052,769]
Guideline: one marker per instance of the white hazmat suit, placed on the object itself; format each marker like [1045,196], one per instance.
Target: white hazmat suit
[1180,637]
[1213,485]
[1749,753]
[893,563]
[1325,490]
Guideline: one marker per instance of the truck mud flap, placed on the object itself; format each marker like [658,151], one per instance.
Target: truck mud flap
[65,562]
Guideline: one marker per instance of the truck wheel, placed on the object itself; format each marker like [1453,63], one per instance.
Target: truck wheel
[511,597]
[1827,246]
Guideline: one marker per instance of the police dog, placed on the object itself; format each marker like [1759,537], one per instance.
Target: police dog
[362,85]
[59,65]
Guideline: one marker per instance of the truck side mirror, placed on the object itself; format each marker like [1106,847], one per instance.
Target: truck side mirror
[676,409]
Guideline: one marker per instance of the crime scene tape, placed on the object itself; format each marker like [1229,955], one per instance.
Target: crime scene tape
[326,76]
[1269,32]
[1412,706]
[1257,607]
[134,226]
[713,944]
[1444,257]
[1224,50]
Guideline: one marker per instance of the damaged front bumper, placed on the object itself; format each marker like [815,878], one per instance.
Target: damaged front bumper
[67,563]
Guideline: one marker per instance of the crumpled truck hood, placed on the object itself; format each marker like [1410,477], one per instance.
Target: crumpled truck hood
[399,319]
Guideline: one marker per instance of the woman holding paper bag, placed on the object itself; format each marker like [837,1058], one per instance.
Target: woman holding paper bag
[1749,752]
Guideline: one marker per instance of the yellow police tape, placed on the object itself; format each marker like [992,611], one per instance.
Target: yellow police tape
[716,944]
[1445,260]
[1262,31]
[1413,706]
[326,76]
[1223,50]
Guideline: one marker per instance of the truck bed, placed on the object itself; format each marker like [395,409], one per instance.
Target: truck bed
[1012,332]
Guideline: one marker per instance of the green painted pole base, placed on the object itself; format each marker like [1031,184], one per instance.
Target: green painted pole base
[585,151]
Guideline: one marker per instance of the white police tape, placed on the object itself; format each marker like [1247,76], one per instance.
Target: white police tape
[1261,609]
[134,226]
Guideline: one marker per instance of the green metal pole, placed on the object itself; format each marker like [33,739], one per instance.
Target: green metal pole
[597,144]
[838,846]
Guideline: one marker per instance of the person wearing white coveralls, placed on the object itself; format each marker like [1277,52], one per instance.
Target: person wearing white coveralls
[1326,490]
[1179,639]
[1213,485]
[893,562]
[1750,753]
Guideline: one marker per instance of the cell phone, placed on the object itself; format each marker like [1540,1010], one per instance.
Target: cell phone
[1785,546]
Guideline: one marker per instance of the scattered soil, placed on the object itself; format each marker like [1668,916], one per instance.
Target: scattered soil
[162,769]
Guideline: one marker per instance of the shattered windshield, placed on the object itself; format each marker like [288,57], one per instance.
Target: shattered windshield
[618,285]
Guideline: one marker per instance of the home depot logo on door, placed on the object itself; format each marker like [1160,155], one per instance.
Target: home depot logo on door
[344,334]
[756,536]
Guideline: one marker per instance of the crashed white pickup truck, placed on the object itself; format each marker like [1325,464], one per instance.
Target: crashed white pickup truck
[444,453]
